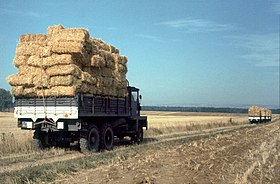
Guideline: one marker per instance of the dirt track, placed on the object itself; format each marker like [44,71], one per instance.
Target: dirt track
[244,156]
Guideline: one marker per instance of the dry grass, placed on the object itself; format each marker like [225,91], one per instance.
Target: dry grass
[171,122]
[12,139]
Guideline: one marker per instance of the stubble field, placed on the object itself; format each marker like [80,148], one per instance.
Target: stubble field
[179,147]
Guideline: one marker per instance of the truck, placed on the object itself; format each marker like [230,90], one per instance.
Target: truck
[259,114]
[92,121]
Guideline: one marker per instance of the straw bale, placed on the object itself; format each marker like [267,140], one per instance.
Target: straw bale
[119,59]
[41,80]
[101,45]
[24,91]
[29,48]
[20,60]
[66,47]
[99,72]
[106,55]
[87,78]
[55,29]
[54,59]
[58,70]
[17,91]
[121,68]
[104,82]
[23,70]
[97,61]
[67,80]
[86,88]
[114,49]
[58,91]
[36,38]
[70,35]
[21,80]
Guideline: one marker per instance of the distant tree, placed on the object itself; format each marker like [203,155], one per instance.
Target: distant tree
[6,99]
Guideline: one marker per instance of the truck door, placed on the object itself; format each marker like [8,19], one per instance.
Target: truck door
[134,103]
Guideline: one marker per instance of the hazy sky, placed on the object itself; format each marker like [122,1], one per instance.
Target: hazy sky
[180,52]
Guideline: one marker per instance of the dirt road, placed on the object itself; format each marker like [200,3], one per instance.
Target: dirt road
[250,155]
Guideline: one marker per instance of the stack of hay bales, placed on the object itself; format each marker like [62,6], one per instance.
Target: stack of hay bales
[259,111]
[65,62]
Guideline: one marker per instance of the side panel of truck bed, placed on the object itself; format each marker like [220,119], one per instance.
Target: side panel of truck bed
[70,107]
[103,106]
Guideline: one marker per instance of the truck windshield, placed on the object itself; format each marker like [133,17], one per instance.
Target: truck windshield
[134,96]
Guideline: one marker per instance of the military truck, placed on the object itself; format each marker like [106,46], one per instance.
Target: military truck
[91,120]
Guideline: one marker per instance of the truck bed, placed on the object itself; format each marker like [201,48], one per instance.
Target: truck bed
[70,107]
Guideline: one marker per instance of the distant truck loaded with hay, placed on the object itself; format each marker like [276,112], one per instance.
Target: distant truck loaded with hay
[259,114]
[73,88]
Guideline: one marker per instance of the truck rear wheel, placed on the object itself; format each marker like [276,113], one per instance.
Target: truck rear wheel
[40,139]
[107,137]
[92,142]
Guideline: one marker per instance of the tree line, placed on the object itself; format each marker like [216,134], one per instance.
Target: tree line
[6,100]
[201,109]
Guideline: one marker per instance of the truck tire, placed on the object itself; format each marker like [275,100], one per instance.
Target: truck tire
[92,142]
[106,137]
[140,135]
[39,139]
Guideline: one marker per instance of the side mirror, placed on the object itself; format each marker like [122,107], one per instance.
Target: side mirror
[140,97]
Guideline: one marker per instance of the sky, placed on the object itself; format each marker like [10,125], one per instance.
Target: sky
[180,52]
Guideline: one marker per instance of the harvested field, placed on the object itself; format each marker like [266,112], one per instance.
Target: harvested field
[229,151]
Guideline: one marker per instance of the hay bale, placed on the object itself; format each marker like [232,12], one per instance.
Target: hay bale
[55,59]
[35,38]
[97,61]
[66,47]
[24,91]
[58,70]
[28,49]
[86,88]
[58,91]
[41,80]
[121,68]
[119,59]
[29,80]
[69,35]
[101,45]
[17,91]
[55,29]
[32,48]
[87,78]
[67,80]
[21,80]
[114,49]
[20,60]
[23,70]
